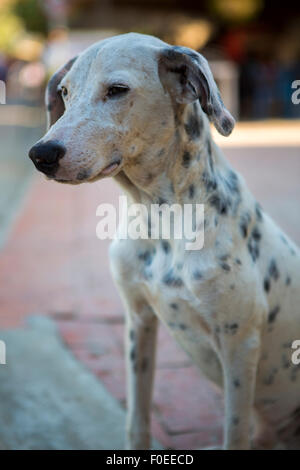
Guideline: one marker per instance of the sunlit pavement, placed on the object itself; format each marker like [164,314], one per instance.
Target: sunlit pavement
[53,264]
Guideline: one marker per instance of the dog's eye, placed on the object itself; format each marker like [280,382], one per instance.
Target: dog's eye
[64,91]
[117,90]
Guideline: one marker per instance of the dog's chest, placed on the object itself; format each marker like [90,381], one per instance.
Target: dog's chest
[179,286]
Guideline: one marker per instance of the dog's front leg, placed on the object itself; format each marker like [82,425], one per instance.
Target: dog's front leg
[141,329]
[240,366]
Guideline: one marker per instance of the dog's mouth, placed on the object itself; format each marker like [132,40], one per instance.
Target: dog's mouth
[110,170]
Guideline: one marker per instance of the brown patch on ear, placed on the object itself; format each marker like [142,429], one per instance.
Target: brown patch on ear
[54,102]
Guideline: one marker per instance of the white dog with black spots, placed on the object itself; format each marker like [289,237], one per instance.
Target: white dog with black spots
[137,109]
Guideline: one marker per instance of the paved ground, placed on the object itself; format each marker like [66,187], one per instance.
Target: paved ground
[49,400]
[53,264]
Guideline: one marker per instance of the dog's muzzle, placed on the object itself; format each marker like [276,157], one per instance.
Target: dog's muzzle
[46,156]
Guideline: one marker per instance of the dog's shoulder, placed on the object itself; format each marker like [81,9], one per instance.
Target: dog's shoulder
[128,256]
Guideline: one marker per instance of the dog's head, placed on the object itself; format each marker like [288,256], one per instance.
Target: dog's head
[116,101]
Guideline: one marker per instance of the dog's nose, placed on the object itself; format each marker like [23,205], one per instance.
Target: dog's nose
[46,156]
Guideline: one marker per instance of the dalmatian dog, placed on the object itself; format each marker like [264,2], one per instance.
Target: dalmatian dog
[137,109]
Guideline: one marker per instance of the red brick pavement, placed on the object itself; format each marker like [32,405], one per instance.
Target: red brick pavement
[53,264]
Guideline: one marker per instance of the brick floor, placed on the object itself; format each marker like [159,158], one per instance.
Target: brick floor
[53,264]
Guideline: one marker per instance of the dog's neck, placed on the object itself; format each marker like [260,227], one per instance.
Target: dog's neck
[189,168]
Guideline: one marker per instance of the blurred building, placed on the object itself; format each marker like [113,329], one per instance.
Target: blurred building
[253,45]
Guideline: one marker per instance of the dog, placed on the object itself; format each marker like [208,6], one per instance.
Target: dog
[138,109]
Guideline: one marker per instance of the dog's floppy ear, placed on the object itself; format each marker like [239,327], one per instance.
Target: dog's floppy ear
[54,102]
[187,77]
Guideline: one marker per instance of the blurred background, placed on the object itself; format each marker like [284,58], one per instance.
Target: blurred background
[51,263]
[253,45]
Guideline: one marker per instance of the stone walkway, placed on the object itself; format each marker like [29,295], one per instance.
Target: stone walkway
[48,400]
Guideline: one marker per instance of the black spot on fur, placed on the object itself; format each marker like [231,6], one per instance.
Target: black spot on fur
[235,420]
[220,203]
[256,235]
[253,244]
[181,71]
[182,326]
[236,383]
[166,246]
[238,261]
[225,266]
[231,328]
[267,284]
[186,159]
[273,314]
[273,270]
[244,224]
[147,257]
[288,281]
[193,126]
[132,354]
[209,150]
[191,191]
[149,227]
[170,280]
[174,306]
[161,201]
[131,335]
[197,275]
